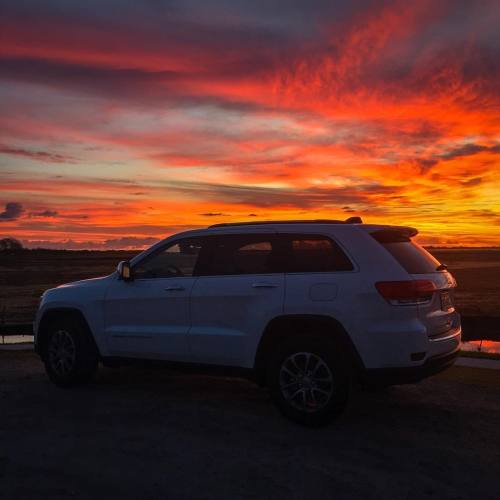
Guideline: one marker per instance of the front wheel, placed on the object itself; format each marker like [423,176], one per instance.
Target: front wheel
[310,381]
[71,356]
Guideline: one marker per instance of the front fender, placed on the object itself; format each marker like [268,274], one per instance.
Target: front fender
[81,298]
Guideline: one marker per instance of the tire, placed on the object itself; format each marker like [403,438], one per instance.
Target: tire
[71,356]
[312,395]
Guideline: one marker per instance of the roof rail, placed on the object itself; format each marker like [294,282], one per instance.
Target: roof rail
[350,220]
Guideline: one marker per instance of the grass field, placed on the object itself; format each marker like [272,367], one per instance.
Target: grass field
[25,275]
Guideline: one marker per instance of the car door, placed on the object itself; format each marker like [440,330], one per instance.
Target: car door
[148,316]
[241,291]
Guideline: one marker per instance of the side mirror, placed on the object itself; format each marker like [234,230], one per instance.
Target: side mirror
[124,271]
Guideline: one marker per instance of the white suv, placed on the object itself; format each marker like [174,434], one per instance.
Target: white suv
[304,307]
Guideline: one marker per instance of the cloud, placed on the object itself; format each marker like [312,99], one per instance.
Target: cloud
[13,211]
[472,182]
[123,243]
[223,109]
[37,155]
[307,198]
[469,150]
[44,213]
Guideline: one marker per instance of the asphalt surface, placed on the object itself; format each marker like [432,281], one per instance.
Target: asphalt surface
[151,433]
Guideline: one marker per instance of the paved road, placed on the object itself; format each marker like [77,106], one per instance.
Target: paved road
[492,364]
[149,433]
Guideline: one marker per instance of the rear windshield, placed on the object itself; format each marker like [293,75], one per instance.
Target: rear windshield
[413,258]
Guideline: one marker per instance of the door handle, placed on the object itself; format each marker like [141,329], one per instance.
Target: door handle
[264,285]
[174,288]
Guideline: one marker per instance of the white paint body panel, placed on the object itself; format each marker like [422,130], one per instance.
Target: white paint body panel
[229,314]
[148,318]
[220,319]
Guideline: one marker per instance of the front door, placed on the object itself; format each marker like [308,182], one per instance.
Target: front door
[148,317]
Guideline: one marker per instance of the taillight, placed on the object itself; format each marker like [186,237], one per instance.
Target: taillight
[406,292]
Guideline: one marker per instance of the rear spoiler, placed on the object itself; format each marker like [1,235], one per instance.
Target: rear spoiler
[394,234]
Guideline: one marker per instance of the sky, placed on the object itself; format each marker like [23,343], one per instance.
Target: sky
[125,121]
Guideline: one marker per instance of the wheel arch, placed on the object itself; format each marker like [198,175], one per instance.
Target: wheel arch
[50,316]
[284,326]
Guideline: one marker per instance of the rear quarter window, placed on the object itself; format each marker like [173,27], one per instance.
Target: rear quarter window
[314,253]
[412,257]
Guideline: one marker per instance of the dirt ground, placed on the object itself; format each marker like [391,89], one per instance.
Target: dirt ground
[147,433]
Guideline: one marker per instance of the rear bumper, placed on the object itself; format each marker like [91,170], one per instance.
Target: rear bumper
[412,374]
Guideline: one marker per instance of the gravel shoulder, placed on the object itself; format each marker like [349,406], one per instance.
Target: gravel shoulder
[154,433]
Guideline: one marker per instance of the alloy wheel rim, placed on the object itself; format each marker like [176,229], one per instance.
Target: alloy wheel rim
[306,382]
[62,352]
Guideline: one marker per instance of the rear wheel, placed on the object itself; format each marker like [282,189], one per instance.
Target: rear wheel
[71,356]
[310,380]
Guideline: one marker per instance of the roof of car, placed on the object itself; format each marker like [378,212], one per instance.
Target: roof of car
[350,220]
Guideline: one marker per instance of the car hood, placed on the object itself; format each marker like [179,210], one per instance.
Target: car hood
[86,283]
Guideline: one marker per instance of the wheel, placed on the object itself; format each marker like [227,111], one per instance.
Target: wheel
[71,356]
[310,380]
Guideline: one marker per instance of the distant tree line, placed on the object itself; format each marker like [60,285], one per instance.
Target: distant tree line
[10,244]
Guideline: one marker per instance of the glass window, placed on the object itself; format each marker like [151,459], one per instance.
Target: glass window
[178,259]
[244,254]
[314,254]
[412,257]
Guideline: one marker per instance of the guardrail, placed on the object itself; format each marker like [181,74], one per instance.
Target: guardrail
[473,328]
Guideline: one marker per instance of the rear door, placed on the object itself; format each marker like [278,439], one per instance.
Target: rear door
[437,314]
[241,291]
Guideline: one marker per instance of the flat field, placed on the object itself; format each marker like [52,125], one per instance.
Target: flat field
[25,275]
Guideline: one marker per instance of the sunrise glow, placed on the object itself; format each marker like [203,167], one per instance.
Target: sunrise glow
[119,130]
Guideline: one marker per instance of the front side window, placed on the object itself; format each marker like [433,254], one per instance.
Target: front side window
[244,254]
[315,253]
[176,260]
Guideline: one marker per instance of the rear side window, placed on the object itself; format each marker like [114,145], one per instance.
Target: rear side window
[315,254]
[244,254]
[412,257]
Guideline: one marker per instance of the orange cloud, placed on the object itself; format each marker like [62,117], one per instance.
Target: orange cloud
[140,126]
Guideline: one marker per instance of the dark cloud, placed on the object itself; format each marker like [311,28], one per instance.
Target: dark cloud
[469,150]
[213,214]
[13,211]
[313,197]
[44,213]
[137,87]
[484,214]
[37,155]
[426,163]
[75,216]
[472,182]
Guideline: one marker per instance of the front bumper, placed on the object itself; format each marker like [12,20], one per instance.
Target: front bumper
[411,374]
